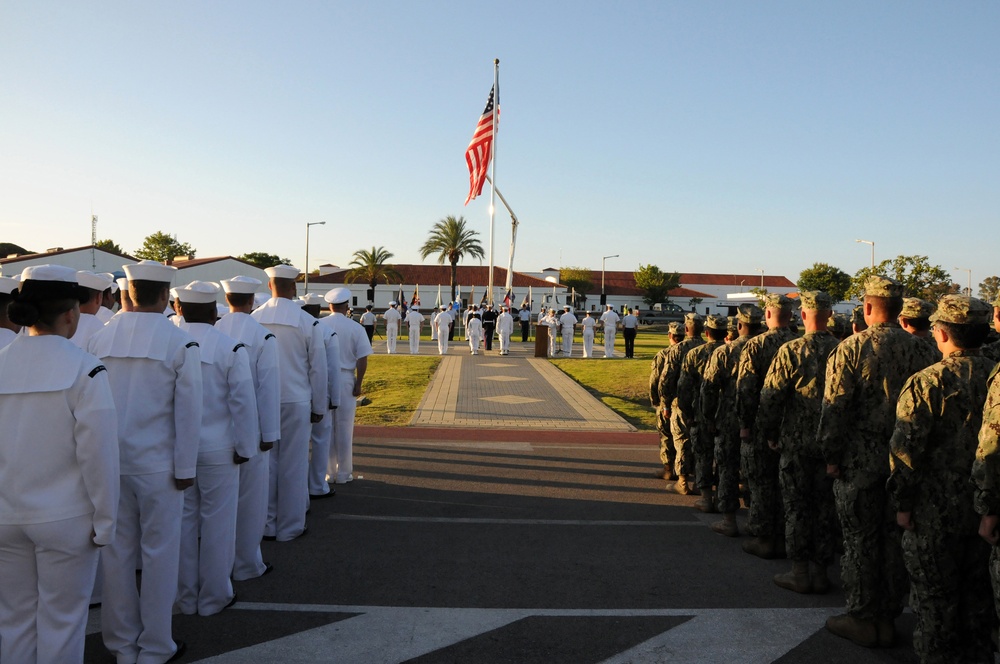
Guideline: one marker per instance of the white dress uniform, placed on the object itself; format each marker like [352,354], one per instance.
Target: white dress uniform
[302,358]
[442,320]
[155,374]
[322,431]
[589,324]
[58,485]
[229,424]
[552,323]
[251,512]
[568,322]
[353,347]
[474,333]
[104,314]
[414,321]
[505,327]
[6,336]
[610,320]
[392,318]
[89,324]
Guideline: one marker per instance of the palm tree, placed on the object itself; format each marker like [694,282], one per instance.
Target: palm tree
[371,266]
[451,240]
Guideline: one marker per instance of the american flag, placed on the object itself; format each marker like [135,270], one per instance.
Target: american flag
[480,149]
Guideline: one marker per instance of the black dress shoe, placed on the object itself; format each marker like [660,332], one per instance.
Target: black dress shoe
[181,649]
[231,602]
[268,568]
[269,538]
[321,496]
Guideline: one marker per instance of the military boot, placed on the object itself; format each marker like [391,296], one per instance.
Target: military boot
[682,486]
[885,629]
[707,502]
[727,526]
[762,547]
[664,474]
[797,580]
[819,582]
[861,632]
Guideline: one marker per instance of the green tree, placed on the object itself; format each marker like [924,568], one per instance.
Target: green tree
[918,276]
[162,247]
[577,279]
[990,289]
[761,293]
[109,245]
[371,267]
[11,249]
[656,283]
[821,276]
[264,260]
[451,240]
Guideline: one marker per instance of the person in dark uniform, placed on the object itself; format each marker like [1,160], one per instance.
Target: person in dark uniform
[489,325]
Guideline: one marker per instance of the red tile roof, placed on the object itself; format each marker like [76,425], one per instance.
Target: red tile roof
[432,275]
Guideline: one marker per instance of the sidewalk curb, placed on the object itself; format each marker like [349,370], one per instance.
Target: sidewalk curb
[527,435]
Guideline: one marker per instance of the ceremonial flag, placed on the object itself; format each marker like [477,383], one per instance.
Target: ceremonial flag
[485,293]
[508,298]
[415,300]
[480,149]
[438,302]
[401,299]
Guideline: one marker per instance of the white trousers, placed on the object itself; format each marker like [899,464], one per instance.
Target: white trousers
[342,442]
[208,540]
[504,342]
[443,343]
[319,454]
[474,340]
[414,340]
[391,332]
[552,341]
[588,341]
[137,627]
[288,474]
[567,341]
[251,514]
[46,576]
[609,343]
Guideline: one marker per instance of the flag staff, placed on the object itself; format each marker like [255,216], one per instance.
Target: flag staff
[493,165]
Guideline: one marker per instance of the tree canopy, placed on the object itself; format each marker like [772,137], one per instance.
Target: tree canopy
[918,276]
[162,247]
[821,276]
[109,245]
[264,260]
[656,283]
[989,289]
[8,248]
[371,266]
[452,240]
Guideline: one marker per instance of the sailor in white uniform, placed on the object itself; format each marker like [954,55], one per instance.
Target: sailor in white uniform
[230,436]
[610,320]
[354,352]
[474,332]
[505,328]
[441,323]
[8,330]
[322,431]
[89,322]
[58,473]
[155,373]
[589,325]
[392,319]
[304,400]
[568,323]
[414,321]
[262,347]
[109,300]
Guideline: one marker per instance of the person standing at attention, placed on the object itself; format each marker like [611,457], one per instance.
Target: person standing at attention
[588,324]
[630,327]
[610,320]
[505,326]
[414,321]
[392,319]
[474,332]
[524,316]
[368,320]
[568,323]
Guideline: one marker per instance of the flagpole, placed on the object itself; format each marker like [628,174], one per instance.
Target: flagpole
[493,164]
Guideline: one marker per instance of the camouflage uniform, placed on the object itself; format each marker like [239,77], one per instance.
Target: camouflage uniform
[679,425]
[986,472]
[992,351]
[789,411]
[863,379]
[766,516]
[718,404]
[933,447]
[688,403]
[667,452]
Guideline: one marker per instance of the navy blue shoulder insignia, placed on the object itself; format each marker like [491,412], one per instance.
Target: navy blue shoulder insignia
[98,369]
[315,323]
[190,344]
[268,336]
[238,346]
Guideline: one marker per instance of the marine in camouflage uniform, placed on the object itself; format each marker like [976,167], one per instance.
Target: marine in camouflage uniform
[667,453]
[718,406]
[858,322]
[863,379]
[933,448]
[788,417]
[992,350]
[986,480]
[679,425]
[915,319]
[688,403]
[766,517]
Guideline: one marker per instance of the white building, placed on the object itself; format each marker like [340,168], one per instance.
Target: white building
[78,258]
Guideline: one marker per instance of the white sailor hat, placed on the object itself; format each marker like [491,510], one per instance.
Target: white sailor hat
[122,283]
[198,292]
[221,310]
[150,271]
[283,272]
[241,284]
[114,284]
[338,295]
[49,281]
[173,294]
[313,299]
[8,284]
[415,308]
[393,303]
[260,298]
[93,281]
[567,307]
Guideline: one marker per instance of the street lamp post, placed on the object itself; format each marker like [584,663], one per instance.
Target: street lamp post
[761,277]
[308,226]
[872,243]
[969,271]
[603,260]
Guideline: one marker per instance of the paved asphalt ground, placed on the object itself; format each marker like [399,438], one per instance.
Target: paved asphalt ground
[517,542]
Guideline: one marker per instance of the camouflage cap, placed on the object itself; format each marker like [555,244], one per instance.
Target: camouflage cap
[914,307]
[858,314]
[692,317]
[839,324]
[962,310]
[815,300]
[880,286]
[749,313]
[996,302]
[716,322]
[777,301]
[675,328]
[731,323]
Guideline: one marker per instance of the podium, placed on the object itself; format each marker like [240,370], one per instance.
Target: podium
[542,341]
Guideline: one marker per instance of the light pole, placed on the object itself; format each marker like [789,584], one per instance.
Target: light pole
[308,226]
[872,243]
[603,297]
[761,277]
[969,271]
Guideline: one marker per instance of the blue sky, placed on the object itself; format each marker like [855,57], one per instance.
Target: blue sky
[698,136]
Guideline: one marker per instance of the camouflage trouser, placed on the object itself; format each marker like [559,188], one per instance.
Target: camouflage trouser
[950,595]
[667,452]
[766,517]
[871,568]
[680,431]
[728,459]
[810,517]
[703,445]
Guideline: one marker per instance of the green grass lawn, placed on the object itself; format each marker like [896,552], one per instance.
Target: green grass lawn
[395,384]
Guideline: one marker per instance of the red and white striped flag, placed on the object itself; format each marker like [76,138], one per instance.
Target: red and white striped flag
[480,149]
